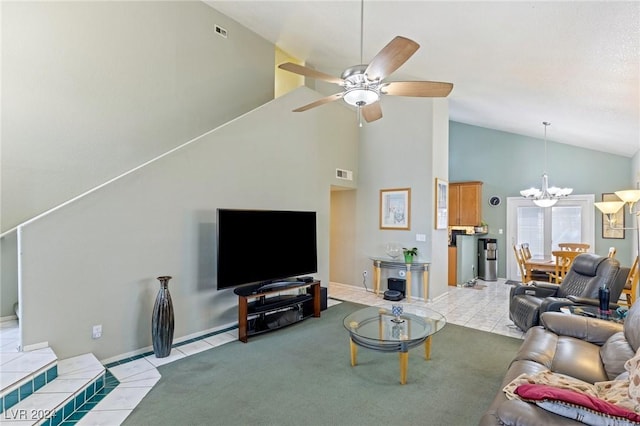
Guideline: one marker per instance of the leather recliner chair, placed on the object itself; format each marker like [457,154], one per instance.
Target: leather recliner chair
[588,273]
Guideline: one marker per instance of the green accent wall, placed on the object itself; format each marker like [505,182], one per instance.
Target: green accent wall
[506,163]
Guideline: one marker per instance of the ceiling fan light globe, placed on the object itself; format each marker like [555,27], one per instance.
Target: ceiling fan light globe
[361,97]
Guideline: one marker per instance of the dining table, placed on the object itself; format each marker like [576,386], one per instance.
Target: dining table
[540,264]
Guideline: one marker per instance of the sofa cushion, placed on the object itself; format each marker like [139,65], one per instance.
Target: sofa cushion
[614,354]
[579,359]
[584,328]
[587,264]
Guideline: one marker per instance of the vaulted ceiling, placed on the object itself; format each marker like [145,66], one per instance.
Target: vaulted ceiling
[513,64]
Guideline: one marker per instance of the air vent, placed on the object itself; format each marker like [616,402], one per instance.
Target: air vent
[344,174]
[221,31]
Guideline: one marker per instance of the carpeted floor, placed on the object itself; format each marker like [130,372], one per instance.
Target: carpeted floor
[301,375]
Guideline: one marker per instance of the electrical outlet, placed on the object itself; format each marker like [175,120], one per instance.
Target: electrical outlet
[96,332]
[365,273]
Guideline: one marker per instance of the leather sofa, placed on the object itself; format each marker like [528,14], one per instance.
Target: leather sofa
[588,273]
[588,349]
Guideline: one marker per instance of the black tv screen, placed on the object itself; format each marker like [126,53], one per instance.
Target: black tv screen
[263,246]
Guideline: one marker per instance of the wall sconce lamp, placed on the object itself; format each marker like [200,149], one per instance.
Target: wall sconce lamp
[610,208]
[629,197]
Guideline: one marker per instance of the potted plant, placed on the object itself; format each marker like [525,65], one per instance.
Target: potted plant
[409,253]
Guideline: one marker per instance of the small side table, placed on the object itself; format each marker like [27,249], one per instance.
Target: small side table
[594,312]
[417,265]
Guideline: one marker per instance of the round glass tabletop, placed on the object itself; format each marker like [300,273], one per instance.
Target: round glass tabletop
[394,323]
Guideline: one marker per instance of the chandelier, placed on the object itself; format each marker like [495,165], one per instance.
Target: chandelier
[546,196]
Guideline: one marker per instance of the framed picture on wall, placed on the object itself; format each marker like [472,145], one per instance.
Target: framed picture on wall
[607,231]
[442,204]
[395,208]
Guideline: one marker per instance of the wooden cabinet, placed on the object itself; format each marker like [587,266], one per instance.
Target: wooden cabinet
[465,203]
[453,266]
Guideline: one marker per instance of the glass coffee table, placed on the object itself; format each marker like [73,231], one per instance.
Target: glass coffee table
[393,328]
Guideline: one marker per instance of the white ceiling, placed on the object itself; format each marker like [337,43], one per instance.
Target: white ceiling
[513,64]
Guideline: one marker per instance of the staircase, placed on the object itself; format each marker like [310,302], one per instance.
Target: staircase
[39,389]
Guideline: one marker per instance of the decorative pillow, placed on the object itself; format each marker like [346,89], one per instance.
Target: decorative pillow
[613,391]
[577,406]
[549,378]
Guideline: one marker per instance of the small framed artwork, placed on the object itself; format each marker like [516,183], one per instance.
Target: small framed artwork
[395,208]
[442,204]
[607,231]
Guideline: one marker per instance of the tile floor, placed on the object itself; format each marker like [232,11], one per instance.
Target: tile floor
[483,307]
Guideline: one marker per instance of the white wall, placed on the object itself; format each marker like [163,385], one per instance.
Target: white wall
[96,261]
[400,151]
[92,89]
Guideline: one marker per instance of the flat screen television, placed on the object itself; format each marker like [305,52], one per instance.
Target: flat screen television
[264,246]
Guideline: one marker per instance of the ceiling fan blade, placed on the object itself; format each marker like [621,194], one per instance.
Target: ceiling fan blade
[391,57]
[319,102]
[308,72]
[429,89]
[371,112]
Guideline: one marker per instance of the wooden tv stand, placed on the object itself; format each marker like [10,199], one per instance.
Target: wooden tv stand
[267,309]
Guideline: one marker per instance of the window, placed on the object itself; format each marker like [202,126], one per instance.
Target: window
[570,220]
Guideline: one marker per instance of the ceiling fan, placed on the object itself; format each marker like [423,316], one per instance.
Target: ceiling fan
[363,84]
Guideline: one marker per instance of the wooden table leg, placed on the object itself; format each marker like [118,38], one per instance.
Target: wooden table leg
[427,348]
[404,363]
[376,278]
[354,352]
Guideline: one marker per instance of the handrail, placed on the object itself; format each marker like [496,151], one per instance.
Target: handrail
[146,163]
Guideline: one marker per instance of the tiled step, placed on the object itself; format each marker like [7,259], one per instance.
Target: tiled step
[78,383]
[23,373]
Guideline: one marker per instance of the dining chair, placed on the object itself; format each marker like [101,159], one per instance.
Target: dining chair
[564,259]
[581,247]
[525,254]
[630,290]
[525,251]
[517,251]
[612,252]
